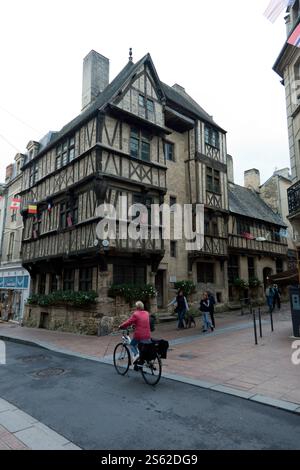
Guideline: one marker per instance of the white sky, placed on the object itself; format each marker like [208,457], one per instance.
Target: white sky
[222,52]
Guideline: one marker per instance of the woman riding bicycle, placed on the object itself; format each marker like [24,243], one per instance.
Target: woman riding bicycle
[141,321]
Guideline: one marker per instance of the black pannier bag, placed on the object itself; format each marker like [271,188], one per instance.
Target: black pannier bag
[147,351]
[161,347]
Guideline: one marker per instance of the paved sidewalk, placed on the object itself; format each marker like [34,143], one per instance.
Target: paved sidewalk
[9,442]
[20,431]
[227,359]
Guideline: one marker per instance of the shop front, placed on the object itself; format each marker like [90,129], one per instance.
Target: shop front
[14,290]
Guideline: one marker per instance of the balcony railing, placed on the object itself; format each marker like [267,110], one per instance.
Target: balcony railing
[294,198]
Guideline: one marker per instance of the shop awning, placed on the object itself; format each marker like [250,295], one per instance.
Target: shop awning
[286,277]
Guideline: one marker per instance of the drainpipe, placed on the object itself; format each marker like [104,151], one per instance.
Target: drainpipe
[3,226]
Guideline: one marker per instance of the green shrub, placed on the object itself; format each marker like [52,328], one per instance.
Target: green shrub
[132,293]
[63,297]
[240,283]
[188,287]
[254,282]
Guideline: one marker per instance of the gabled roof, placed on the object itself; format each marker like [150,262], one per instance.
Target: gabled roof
[184,100]
[116,85]
[248,203]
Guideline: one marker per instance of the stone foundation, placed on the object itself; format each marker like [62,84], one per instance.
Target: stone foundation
[98,319]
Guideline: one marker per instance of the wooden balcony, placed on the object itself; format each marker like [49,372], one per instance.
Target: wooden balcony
[268,247]
[213,246]
[81,240]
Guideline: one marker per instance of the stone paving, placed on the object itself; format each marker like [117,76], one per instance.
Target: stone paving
[228,357]
[20,431]
[9,442]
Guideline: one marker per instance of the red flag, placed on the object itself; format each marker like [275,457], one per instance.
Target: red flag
[15,203]
[248,236]
[294,39]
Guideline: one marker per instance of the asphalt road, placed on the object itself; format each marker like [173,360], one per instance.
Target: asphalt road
[95,408]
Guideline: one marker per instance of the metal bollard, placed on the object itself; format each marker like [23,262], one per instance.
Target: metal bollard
[255,329]
[272,324]
[260,325]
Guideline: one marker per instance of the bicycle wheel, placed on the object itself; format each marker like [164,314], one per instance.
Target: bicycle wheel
[151,371]
[121,358]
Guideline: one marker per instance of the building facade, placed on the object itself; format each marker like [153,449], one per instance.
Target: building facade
[275,193]
[257,245]
[139,138]
[14,279]
[287,66]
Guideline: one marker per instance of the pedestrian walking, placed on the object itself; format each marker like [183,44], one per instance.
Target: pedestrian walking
[212,303]
[270,298]
[181,309]
[205,309]
[277,297]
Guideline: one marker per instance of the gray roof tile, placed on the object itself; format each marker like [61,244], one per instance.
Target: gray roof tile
[247,202]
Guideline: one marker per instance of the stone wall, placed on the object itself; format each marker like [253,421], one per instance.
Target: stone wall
[99,319]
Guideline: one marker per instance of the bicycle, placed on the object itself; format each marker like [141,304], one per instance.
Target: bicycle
[148,361]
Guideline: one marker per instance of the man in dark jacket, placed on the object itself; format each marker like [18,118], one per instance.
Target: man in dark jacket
[212,303]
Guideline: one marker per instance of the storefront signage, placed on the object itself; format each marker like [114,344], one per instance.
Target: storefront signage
[14,282]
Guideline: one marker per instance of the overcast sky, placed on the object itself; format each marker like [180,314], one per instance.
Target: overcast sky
[222,52]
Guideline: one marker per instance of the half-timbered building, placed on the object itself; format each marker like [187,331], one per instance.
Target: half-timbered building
[135,137]
[257,245]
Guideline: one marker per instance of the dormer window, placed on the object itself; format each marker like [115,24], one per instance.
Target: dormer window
[33,149]
[212,137]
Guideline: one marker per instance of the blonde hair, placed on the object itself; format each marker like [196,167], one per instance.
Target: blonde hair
[139,305]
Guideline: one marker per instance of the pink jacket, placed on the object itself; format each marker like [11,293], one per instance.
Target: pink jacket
[140,319]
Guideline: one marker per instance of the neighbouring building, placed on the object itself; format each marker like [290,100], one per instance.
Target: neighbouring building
[256,246]
[287,66]
[14,279]
[2,212]
[135,137]
[275,193]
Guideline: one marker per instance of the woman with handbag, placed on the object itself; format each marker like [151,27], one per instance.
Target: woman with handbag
[181,308]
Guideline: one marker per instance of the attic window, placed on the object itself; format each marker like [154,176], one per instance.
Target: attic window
[142,101]
[146,102]
[150,106]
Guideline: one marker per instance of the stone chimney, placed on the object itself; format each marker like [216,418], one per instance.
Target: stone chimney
[9,172]
[252,179]
[95,77]
[230,173]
